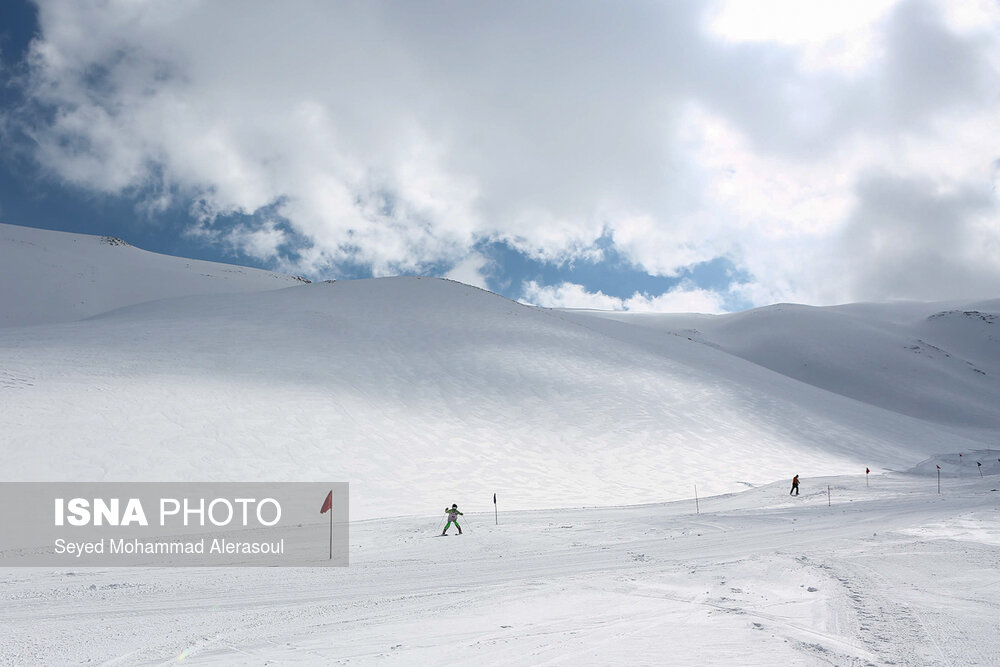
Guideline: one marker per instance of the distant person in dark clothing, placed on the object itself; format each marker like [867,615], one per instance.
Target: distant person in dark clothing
[795,486]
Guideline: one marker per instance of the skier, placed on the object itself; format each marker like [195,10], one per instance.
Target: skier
[795,486]
[453,515]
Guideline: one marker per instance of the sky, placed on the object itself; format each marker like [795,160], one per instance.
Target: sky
[650,156]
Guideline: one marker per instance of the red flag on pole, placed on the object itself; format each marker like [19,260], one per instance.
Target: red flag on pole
[327,506]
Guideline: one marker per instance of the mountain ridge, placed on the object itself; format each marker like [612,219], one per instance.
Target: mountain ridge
[48,276]
[417,389]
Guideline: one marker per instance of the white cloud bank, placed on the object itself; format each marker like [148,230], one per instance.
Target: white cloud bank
[684,299]
[831,159]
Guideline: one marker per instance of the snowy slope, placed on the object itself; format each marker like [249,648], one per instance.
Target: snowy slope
[938,362]
[424,392]
[50,276]
[419,391]
[888,574]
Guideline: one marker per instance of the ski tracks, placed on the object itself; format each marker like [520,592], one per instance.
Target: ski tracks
[904,618]
[886,627]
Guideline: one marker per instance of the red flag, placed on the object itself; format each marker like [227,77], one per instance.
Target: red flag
[327,504]
[867,471]
[939,467]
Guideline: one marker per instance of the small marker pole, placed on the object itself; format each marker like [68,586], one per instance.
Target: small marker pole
[939,479]
[328,507]
[828,496]
[697,509]
[496,515]
[867,471]
[978,463]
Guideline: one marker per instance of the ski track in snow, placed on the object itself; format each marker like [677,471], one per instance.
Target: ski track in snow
[756,578]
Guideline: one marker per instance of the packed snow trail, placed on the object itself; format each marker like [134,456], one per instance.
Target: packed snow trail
[892,574]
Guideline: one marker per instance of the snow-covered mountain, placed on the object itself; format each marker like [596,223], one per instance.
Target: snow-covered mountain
[48,277]
[417,390]
[424,392]
[938,362]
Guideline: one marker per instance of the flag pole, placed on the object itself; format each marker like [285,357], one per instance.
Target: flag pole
[328,507]
[496,514]
[697,510]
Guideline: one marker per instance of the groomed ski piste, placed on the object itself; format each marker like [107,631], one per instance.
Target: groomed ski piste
[891,574]
[592,428]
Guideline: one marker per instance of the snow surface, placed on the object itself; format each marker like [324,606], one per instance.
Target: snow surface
[418,391]
[891,574]
[48,276]
[424,392]
[937,361]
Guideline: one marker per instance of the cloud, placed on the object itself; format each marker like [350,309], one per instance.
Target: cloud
[472,270]
[262,241]
[401,136]
[568,295]
[839,36]
[912,237]
[684,299]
